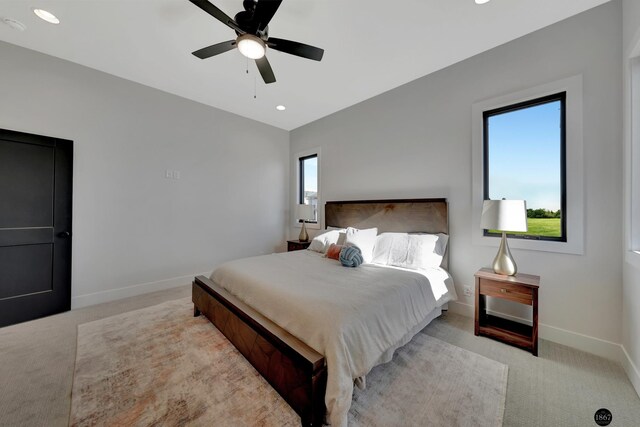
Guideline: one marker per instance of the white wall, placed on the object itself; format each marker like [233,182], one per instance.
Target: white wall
[131,226]
[631,268]
[415,141]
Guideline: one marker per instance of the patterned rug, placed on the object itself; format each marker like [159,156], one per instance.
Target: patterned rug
[161,366]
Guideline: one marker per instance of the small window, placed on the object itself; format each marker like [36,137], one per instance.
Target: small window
[524,158]
[308,193]
[633,164]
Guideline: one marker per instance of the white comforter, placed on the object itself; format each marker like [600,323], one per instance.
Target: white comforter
[355,317]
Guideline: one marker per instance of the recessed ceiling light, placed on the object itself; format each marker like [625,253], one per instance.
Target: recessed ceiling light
[281,108]
[16,25]
[482,1]
[46,16]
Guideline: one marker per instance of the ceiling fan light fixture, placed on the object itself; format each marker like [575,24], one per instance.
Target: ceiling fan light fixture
[251,46]
[482,1]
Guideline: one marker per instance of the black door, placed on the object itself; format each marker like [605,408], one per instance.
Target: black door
[35,226]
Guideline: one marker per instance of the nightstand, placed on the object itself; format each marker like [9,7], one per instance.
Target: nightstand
[297,245]
[521,288]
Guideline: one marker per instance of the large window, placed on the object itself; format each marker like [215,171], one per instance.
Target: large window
[308,185]
[524,158]
[551,146]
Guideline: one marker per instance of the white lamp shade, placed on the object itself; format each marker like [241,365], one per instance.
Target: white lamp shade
[504,215]
[304,212]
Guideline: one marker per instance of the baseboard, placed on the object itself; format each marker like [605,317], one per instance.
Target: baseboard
[130,291]
[466,310]
[597,346]
[631,369]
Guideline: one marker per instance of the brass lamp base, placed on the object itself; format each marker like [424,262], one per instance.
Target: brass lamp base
[504,263]
[304,236]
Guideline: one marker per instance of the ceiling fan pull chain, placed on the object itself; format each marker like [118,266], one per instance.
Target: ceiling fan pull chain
[254,88]
[247,63]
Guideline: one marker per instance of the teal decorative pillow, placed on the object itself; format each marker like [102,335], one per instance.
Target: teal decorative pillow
[351,256]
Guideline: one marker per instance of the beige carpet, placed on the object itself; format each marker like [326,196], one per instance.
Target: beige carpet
[161,366]
[562,387]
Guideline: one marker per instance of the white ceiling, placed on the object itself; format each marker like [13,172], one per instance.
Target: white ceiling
[371,46]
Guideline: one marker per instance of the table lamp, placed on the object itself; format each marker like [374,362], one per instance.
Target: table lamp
[304,213]
[504,215]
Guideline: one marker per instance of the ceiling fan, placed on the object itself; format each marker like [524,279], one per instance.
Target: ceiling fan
[252,30]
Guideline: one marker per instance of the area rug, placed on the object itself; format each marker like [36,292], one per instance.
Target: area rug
[160,366]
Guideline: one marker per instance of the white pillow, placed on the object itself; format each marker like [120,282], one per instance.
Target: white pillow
[415,251]
[391,249]
[340,239]
[365,240]
[321,242]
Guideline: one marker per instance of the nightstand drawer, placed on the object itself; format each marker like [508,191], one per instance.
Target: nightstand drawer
[508,291]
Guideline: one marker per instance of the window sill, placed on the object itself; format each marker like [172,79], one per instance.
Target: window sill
[572,248]
[310,225]
[633,258]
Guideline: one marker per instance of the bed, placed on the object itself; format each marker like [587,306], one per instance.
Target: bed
[312,327]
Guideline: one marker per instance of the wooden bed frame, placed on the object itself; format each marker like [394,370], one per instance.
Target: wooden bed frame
[294,369]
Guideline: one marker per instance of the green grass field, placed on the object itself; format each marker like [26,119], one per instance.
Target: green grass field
[542,227]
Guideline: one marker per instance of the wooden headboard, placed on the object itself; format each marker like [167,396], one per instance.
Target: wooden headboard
[401,216]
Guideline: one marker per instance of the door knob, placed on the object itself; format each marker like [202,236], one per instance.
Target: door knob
[64,234]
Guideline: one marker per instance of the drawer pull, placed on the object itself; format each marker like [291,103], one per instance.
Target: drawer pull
[503,290]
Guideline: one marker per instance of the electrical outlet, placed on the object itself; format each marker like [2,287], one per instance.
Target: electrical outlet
[171,174]
[468,291]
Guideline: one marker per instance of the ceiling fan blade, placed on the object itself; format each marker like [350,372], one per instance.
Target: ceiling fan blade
[295,48]
[215,49]
[218,14]
[265,70]
[263,13]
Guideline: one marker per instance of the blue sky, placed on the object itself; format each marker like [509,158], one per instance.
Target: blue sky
[524,156]
[311,174]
